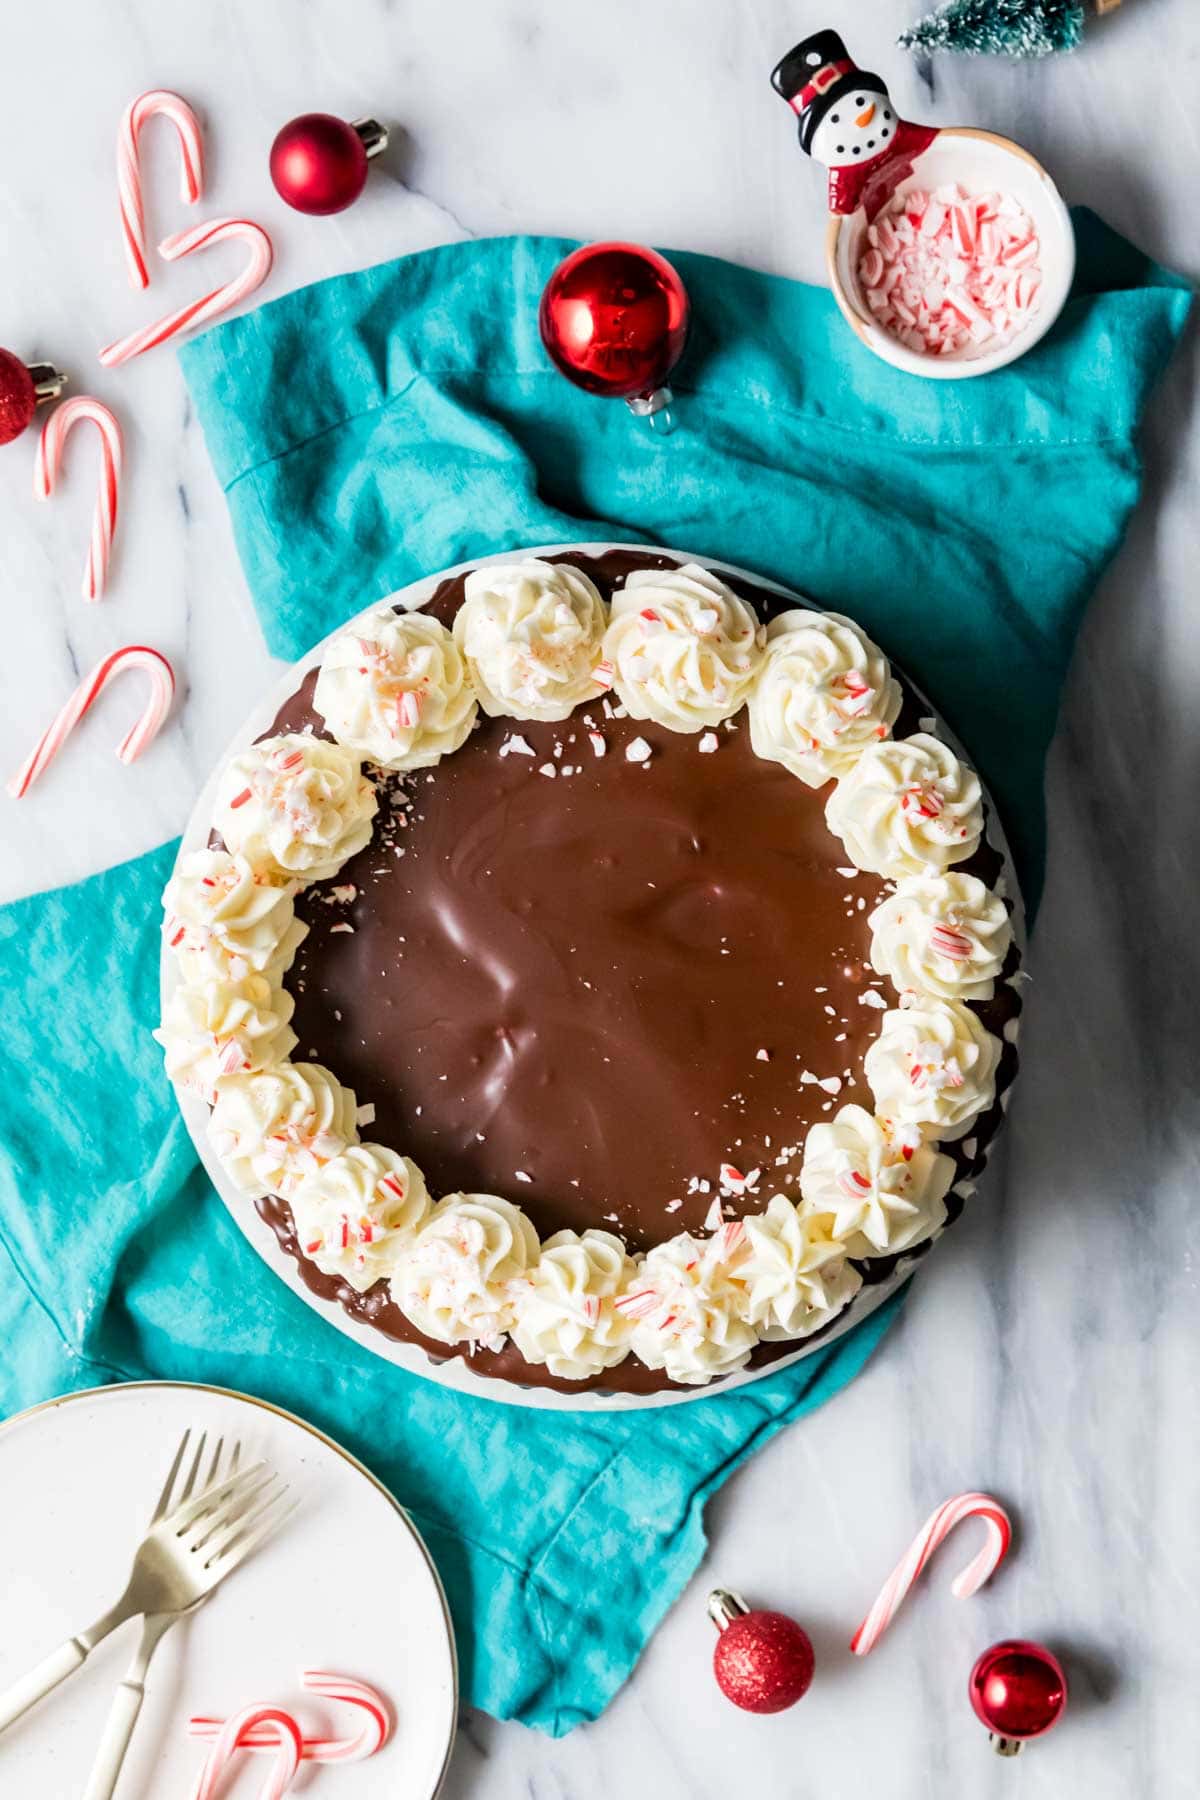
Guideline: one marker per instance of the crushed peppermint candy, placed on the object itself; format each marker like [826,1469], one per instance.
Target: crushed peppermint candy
[516,745]
[872,997]
[949,272]
[708,743]
[548,769]
[638,751]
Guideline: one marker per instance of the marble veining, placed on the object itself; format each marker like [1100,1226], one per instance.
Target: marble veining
[1050,1349]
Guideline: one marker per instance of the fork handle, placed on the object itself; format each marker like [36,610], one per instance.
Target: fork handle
[32,1687]
[123,1714]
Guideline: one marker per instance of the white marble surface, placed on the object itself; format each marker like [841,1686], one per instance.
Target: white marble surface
[1050,1351]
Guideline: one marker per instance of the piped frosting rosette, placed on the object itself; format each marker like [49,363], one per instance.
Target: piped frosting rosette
[791,1275]
[686,1312]
[567,1317]
[295,806]
[876,1191]
[684,648]
[217,1028]
[907,807]
[946,935]
[275,1128]
[933,1067]
[531,634]
[224,920]
[823,693]
[395,691]
[461,1279]
[356,1213]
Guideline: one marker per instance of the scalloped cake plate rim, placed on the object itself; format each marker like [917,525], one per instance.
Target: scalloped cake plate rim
[452,1371]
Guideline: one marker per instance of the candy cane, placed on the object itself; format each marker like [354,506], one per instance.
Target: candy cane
[209,306]
[139,735]
[129,169]
[282,1732]
[49,465]
[374,1734]
[936,1528]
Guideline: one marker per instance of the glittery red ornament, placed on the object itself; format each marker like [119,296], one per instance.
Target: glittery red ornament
[614,318]
[1018,1690]
[319,163]
[22,389]
[763,1661]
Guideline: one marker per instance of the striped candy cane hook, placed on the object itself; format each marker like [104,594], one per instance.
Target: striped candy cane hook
[49,464]
[372,1735]
[935,1530]
[129,169]
[278,1730]
[209,306]
[136,739]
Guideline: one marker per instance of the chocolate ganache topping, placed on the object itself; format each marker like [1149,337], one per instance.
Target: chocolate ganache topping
[605,985]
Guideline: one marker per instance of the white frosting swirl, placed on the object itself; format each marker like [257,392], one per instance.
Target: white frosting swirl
[684,648]
[220,1028]
[907,807]
[946,935]
[395,691]
[875,1192]
[274,1128]
[531,633]
[685,1313]
[566,1317]
[461,1278]
[792,1276]
[357,1212]
[933,1066]
[225,922]
[824,692]
[295,805]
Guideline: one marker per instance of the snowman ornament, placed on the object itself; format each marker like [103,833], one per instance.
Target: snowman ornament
[848,122]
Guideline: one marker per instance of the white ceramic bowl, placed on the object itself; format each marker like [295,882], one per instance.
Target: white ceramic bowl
[980,162]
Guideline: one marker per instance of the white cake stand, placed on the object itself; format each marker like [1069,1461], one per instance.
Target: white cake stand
[453,1372]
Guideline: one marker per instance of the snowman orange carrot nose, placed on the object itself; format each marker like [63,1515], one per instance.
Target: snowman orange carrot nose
[863,119]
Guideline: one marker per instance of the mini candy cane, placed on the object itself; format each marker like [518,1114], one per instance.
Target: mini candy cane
[936,1528]
[279,1730]
[49,464]
[139,735]
[209,306]
[129,169]
[372,1736]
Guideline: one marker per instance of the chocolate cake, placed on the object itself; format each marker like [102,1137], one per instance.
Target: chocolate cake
[597,973]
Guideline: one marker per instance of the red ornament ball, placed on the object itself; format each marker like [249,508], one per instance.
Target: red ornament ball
[18,397]
[1018,1690]
[319,163]
[763,1661]
[614,318]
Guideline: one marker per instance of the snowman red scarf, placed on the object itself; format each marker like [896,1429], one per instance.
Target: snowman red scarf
[871,183]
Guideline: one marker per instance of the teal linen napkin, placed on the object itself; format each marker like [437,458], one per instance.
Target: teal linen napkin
[368,430]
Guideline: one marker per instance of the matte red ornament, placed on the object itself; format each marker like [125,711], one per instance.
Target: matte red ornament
[614,318]
[1018,1690]
[23,387]
[763,1661]
[319,163]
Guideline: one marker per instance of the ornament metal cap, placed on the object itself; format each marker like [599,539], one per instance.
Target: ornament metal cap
[48,382]
[373,135]
[1005,1746]
[724,1607]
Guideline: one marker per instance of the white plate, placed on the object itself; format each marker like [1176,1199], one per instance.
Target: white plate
[346,1585]
[453,1372]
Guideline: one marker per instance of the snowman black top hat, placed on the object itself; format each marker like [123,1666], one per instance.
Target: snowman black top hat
[814,75]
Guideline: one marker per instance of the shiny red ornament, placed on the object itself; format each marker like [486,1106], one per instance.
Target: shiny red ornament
[319,163]
[22,389]
[763,1661]
[614,318]
[1018,1690]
